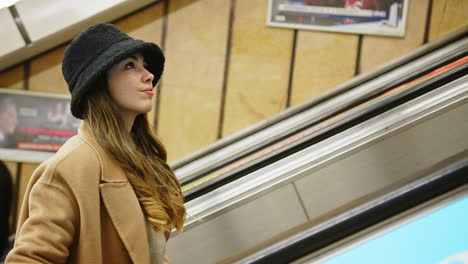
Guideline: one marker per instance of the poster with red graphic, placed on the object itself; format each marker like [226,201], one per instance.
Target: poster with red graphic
[374,17]
[33,126]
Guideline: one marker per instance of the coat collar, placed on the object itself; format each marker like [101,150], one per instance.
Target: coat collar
[120,201]
[111,171]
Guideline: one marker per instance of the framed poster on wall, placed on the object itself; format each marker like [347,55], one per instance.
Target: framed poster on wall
[373,17]
[33,126]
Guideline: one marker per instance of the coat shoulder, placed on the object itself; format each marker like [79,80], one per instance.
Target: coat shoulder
[75,162]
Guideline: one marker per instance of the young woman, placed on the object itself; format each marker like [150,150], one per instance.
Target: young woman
[108,195]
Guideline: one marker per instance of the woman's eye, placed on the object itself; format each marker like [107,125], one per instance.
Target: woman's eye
[129,65]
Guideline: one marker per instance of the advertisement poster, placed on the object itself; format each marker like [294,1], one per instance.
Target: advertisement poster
[33,126]
[374,17]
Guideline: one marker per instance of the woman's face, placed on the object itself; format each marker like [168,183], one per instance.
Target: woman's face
[131,86]
[8,119]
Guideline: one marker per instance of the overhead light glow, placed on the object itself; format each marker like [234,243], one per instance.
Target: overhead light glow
[7,3]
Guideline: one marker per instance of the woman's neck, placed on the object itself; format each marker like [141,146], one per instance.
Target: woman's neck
[128,120]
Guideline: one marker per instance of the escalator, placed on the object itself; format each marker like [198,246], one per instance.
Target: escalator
[370,133]
[315,181]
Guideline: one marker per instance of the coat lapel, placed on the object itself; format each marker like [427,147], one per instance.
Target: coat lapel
[128,219]
[121,202]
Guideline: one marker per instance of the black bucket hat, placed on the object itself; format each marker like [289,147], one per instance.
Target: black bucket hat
[94,51]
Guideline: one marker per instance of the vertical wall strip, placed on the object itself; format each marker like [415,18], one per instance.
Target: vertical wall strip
[163,47]
[428,22]
[357,65]
[291,69]
[26,73]
[226,68]
[15,199]
[19,24]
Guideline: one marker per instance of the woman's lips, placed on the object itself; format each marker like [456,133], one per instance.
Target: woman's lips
[148,91]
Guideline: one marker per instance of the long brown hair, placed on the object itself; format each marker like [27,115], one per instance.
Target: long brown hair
[142,156]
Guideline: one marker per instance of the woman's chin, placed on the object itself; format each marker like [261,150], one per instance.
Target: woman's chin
[146,110]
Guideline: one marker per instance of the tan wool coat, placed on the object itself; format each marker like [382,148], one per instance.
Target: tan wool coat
[79,207]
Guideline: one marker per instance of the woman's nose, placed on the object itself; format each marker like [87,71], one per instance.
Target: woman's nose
[148,76]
